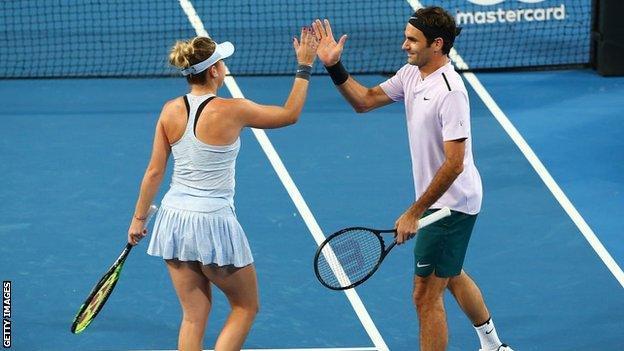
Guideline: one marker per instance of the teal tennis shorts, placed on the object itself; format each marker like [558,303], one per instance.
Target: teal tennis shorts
[441,246]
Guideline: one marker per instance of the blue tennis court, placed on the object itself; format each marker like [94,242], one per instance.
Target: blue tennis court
[74,152]
[73,161]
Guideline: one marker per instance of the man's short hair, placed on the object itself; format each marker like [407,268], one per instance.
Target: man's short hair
[435,23]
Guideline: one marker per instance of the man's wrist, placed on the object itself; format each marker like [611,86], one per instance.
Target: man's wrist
[338,73]
[416,210]
[328,64]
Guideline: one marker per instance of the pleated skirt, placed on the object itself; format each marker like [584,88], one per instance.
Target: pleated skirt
[208,237]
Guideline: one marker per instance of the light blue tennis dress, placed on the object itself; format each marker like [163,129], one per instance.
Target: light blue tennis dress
[196,220]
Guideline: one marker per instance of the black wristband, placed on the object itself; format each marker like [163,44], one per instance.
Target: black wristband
[304,72]
[337,73]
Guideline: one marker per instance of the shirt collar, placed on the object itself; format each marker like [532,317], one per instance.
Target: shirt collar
[437,72]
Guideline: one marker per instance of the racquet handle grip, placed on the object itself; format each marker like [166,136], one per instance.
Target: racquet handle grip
[436,216]
[150,213]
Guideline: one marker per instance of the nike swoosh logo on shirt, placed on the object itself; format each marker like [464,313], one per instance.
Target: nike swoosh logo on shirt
[426,99]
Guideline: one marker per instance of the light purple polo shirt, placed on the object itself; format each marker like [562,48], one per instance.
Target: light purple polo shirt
[437,110]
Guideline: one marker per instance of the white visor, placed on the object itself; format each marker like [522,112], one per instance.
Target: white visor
[223,50]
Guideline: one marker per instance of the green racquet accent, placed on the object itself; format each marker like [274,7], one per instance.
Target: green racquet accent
[103,289]
[92,306]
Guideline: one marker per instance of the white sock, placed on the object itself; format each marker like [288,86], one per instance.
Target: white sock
[487,336]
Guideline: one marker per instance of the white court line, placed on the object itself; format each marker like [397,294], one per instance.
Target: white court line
[290,186]
[310,349]
[535,162]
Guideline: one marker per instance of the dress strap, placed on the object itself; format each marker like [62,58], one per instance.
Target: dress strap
[199,111]
[188,106]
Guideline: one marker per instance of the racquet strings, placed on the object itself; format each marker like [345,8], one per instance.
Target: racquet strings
[349,257]
[95,304]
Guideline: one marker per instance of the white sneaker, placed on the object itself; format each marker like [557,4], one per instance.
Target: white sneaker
[503,347]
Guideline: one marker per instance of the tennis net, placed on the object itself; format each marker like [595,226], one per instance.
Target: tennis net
[114,38]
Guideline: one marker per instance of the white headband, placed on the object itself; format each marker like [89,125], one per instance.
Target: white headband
[223,50]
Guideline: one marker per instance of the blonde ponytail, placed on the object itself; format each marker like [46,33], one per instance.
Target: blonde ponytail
[180,54]
[187,53]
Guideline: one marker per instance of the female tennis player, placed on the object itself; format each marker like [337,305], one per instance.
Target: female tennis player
[196,231]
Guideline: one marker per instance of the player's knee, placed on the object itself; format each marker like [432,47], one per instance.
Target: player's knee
[424,298]
[428,304]
[251,308]
[195,310]
[255,309]
[452,285]
[195,316]
[459,283]
[419,299]
[428,292]
[248,313]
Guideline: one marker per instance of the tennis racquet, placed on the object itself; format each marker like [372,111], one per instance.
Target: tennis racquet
[102,290]
[350,256]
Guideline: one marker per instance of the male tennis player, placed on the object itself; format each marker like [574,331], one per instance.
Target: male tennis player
[438,122]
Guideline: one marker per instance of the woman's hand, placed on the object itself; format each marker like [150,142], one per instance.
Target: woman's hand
[306,48]
[137,231]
